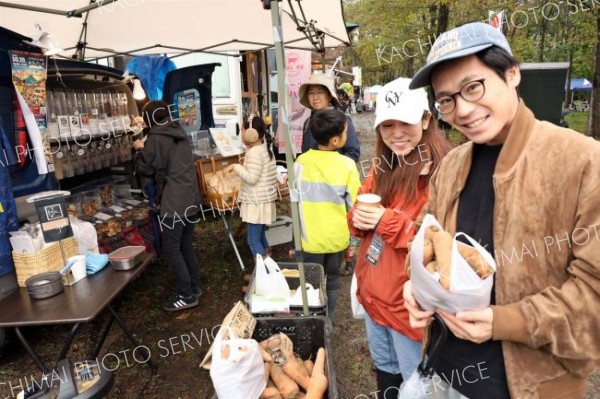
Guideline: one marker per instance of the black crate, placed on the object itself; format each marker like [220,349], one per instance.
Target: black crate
[308,335]
[313,274]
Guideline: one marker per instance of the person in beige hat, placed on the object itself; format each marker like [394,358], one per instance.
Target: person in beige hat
[319,93]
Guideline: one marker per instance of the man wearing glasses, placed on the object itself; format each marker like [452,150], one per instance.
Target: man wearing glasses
[529,191]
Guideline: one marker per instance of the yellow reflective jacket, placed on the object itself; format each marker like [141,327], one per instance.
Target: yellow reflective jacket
[326,186]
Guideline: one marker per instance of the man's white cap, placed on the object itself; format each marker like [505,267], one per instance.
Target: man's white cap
[396,101]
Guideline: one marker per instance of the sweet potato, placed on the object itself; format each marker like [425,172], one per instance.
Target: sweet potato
[475,260]
[286,386]
[264,352]
[270,393]
[318,380]
[295,369]
[427,252]
[430,231]
[431,267]
[442,246]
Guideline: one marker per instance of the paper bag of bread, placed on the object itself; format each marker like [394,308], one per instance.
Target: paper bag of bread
[447,274]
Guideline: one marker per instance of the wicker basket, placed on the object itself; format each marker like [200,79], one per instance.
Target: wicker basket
[49,259]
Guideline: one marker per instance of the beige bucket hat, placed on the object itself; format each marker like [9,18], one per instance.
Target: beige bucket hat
[318,79]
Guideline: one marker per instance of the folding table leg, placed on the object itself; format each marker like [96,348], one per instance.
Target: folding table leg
[102,338]
[130,335]
[68,341]
[230,236]
[31,352]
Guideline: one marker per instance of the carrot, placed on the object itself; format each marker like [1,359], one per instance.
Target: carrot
[430,231]
[286,386]
[309,366]
[427,252]
[318,380]
[475,260]
[442,247]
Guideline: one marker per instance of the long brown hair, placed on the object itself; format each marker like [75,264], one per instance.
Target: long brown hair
[393,172]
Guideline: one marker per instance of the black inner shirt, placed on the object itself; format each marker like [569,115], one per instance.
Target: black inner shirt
[475,370]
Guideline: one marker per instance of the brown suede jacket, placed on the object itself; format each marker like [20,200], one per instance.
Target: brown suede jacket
[547,246]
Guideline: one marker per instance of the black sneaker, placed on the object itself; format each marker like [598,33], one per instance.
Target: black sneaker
[181,303]
[197,292]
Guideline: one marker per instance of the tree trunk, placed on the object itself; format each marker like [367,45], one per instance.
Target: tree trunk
[594,117]
[443,16]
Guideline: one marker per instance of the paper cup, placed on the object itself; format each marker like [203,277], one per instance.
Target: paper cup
[78,269]
[368,200]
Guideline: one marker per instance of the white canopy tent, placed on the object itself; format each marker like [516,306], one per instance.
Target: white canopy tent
[101,28]
[174,26]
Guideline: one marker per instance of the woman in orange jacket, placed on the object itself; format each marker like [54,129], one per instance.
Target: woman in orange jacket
[409,148]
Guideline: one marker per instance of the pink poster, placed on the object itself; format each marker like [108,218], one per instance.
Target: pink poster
[297,71]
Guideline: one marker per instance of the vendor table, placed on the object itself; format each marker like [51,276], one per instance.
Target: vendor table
[79,303]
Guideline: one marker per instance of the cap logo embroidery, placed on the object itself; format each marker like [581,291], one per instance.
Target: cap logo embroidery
[392,98]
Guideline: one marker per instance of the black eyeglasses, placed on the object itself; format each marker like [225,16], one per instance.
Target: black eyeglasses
[471,92]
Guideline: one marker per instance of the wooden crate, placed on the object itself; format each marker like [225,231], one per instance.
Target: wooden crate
[49,259]
[211,165]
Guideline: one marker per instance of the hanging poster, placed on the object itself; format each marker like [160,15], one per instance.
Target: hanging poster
[297,71]
[29,71]
[188,109]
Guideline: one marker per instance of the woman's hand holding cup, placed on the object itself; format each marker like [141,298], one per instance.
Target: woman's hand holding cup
[368,211]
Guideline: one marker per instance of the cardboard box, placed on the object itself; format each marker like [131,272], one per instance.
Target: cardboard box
[238,321]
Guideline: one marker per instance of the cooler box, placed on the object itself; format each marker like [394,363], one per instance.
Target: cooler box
[280,231]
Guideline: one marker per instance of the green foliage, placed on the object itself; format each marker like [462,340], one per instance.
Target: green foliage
[396,35]
[578,121]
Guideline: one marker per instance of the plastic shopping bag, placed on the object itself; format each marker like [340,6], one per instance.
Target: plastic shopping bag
[237,369]
[271,290]
[467,290]
[358,312]
[312,296]
[424,383]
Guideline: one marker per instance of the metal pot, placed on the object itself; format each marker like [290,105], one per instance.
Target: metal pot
[44,285]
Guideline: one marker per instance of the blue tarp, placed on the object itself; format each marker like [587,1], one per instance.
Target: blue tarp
[581,85]
[152,71]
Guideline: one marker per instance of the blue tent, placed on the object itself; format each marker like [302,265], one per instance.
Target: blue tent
[581,85]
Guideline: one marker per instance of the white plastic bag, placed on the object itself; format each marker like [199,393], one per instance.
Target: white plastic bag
[312,296]
[271,290]
[241,374]
[358,312]
[85,235]
[270,282]
[467,290]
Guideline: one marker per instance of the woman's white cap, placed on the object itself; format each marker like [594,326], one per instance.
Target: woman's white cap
[396,101]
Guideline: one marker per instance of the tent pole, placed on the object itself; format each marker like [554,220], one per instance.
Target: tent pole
[289,156]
